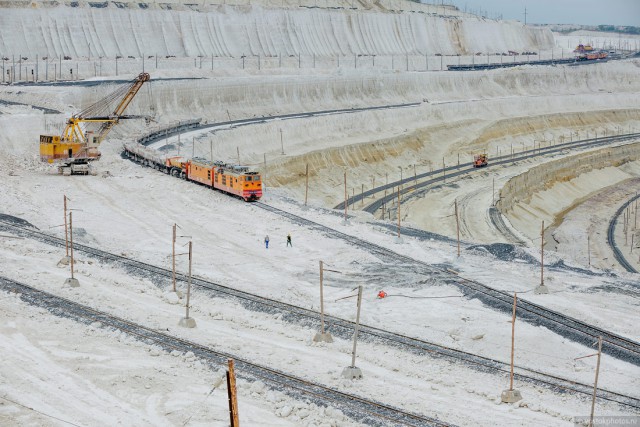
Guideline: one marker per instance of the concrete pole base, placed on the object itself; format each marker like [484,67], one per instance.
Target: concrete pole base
[187,322]
[345,222]
[72,282]
[541,290]
[320,337]
[64,261]
[352,373]
[399,240]
[511,396]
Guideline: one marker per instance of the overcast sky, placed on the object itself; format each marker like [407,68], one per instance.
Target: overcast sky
[586,12]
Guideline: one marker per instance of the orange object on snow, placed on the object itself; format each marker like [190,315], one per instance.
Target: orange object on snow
[382,294]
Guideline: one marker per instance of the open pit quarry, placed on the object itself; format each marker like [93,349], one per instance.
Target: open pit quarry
[358,93]
[458,114]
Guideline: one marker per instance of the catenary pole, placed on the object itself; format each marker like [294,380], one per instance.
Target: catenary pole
[66,233]
[173,257]
[306,185]
[595,383]
[71,238]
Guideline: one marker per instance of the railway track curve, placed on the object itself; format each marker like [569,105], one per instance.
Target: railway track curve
[410,186]
[611,239]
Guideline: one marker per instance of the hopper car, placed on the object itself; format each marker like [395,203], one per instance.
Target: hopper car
[235,180]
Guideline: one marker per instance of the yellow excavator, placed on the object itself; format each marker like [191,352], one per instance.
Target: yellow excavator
[75,148]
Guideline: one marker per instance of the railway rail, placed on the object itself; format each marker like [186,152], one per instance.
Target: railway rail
[566,326]
[337,326]
[574,329]
[611,240]
[409,186]
[555,61]
[361,409]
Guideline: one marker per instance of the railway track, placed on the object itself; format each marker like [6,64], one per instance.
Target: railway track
[410,188]
[617,346]
[498,222]
[611,240]
[363,410]
[338,327]
[555,61]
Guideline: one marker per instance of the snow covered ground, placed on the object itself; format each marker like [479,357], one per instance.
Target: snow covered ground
[57,372]
[125,213]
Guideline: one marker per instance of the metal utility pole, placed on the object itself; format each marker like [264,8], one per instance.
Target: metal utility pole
[281,143]
[66,233]
[513,334]
[345,197]
[188,322]
[353,372]
[400,186]
[71,281]
[384,203]
[444,176]
[189,283]
[399,238]
[493,192]
[595,384]
[264,176]
[322,335]
[542,255]
[71,238]
[541,288]
[457,225]
[355,333]
[373,184]
[511,395]
[173,257]
[306,185]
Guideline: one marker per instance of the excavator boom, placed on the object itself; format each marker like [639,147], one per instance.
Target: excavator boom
[77,147]
[124,103]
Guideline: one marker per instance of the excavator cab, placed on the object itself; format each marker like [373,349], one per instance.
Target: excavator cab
[77,146]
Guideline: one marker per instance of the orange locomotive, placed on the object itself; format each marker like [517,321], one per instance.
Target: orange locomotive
[480,160]
[231,179]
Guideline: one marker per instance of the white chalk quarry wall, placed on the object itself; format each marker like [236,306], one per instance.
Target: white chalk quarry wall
[85,31]
[247,97]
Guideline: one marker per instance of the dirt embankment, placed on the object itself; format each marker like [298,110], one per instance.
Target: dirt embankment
[546,192]
[426,147]
[542,126]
